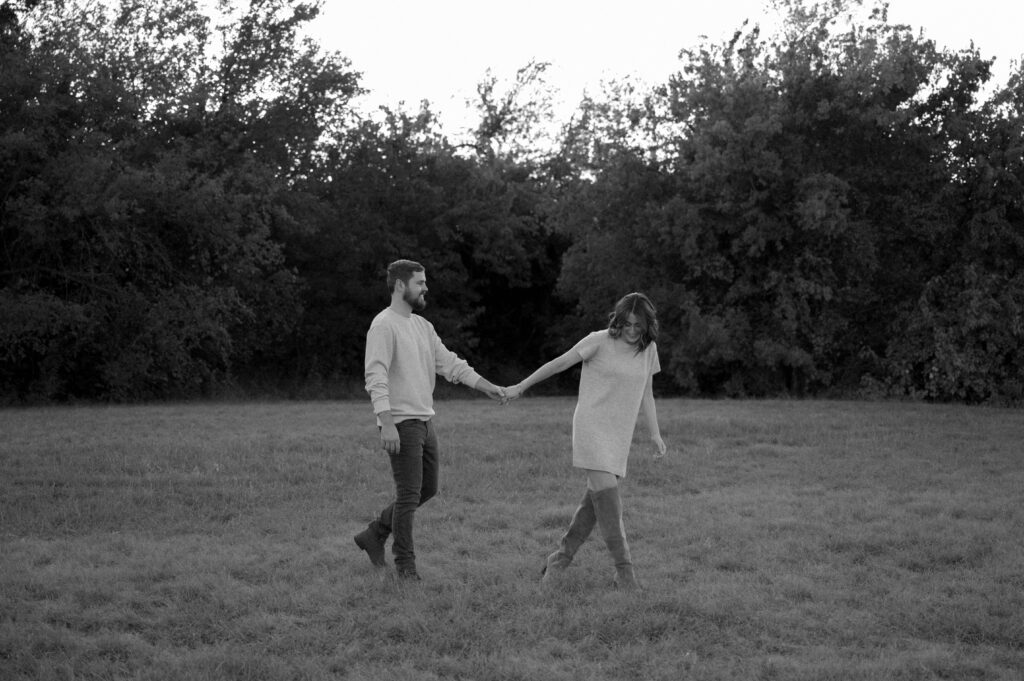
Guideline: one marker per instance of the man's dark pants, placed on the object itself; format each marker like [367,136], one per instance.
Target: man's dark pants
[414,469]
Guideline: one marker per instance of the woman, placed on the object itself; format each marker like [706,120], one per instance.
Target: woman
[615,385]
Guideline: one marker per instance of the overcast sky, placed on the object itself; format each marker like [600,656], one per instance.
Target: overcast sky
[439,50]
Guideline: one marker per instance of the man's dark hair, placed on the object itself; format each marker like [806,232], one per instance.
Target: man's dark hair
[402,270]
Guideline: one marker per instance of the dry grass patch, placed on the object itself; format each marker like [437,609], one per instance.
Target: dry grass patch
[780,540]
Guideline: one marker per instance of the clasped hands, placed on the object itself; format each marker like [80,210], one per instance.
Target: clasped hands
[504,394]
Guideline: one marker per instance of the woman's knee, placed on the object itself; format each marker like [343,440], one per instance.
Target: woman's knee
[599,480]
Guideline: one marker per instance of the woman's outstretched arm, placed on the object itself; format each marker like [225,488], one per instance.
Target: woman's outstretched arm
[555,366]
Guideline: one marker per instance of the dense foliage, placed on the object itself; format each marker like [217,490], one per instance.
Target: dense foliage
[190,205]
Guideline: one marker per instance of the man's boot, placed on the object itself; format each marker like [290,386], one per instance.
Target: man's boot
[583,521]
[372,541]
[608,509]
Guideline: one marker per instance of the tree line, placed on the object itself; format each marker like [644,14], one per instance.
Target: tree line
[193,206]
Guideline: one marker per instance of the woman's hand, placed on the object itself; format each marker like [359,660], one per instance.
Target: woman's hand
[660,448]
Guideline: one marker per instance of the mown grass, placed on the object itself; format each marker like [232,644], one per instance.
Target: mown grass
[779,540]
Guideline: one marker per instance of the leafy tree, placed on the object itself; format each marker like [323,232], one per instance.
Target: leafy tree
[187,202]
[145,187]
[790,214]
[400,188]
[964,338]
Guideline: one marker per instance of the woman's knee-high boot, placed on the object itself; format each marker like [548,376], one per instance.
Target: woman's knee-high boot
[608,508]
[583,521]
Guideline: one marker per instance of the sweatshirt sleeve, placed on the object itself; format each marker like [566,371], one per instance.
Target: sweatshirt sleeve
[451,366]
[379,349]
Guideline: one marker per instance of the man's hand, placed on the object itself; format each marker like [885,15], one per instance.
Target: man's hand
[491,390]
[389,438]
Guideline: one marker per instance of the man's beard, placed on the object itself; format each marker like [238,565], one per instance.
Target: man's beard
[419,302]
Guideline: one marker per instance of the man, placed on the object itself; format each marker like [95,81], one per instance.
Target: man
[403,357]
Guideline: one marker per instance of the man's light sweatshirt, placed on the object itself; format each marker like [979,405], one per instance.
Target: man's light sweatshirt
[403,357]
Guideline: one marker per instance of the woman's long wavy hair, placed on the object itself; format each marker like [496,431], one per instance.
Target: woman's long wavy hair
[641,306]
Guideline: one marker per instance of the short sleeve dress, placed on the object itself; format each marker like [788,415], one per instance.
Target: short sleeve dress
[612,385]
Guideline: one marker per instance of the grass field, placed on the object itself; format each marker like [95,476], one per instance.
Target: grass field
[779,540]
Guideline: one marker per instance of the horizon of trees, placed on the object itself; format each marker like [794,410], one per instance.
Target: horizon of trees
[190,209]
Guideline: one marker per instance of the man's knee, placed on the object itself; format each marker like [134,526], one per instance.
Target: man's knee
[408,493]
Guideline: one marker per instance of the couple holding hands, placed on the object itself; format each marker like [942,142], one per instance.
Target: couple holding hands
[404,355]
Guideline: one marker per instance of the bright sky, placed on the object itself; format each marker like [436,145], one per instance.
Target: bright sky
[439,50]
